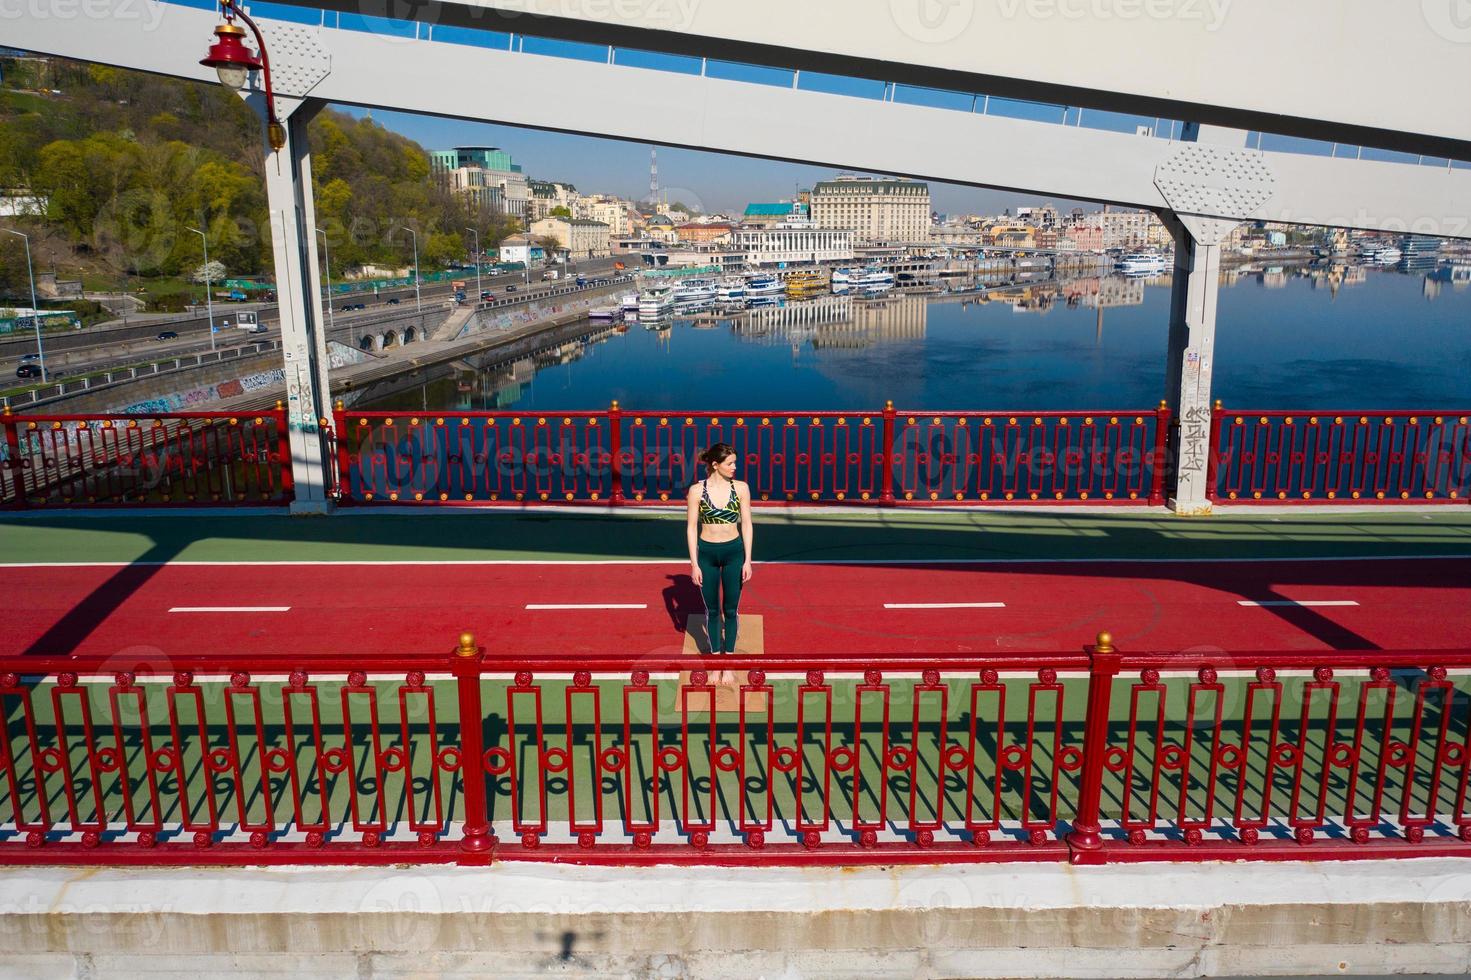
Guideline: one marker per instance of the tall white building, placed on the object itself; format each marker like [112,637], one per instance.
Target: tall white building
[795,244]
[874,209]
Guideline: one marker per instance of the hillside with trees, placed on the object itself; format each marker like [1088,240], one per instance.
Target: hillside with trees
[127,163]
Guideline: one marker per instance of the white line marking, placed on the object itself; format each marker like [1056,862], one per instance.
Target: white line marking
[775,561]
[944,605]
[228,609]
[587,605]
[1295,602]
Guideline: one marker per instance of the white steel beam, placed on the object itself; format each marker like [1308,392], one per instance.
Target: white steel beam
[779,123]
[1223,61]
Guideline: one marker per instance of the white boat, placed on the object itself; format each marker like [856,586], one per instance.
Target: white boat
[629,302]
[1142,264]
[765,285]
[874,280]
[655,303]
[694,291]
[731,291]
[766,299]
[605,313]
[1388,255]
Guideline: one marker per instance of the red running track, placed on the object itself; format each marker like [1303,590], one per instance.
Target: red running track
[375,609]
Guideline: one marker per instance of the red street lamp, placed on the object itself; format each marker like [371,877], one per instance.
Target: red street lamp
[234,62]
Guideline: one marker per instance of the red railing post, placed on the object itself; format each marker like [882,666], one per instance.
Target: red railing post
[1161,454]
[1213,451]
[13,460]
[1085,843]
[615,449]
[886,494]
[344,460]
[283,448]
[478,842]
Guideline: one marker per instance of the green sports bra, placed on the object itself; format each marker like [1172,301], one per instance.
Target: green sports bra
[710,514]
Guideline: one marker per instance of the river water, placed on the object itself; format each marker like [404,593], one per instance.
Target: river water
[1299,338]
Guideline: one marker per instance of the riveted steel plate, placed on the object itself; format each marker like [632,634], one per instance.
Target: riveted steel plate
[1199,178]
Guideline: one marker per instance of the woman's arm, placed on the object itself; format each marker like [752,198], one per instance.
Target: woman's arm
[692,532]
[747,534]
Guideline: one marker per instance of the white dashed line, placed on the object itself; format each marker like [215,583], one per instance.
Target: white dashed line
[944,605]
[229,609]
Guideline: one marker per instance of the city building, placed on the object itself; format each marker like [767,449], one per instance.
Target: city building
[614,212]
[874,209]
[1130,229]
[486,175]
[1085,236]
[771,215]
[517,248]
[581,237]
[793,243]
[547,196]
[695,233]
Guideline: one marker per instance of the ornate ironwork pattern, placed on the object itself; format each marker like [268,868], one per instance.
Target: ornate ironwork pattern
[622,456]
[189,458]
[1364,457]
[1099,756]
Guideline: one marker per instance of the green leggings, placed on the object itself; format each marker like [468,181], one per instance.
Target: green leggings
[720,567]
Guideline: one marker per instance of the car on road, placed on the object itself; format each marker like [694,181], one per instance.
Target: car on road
[487,296]
[28,358]
[28,371]
[168,335]
[393,301]
[511,288]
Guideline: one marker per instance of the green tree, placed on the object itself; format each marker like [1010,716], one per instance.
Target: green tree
[561,212]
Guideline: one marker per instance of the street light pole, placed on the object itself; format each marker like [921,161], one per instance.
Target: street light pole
[327,264]
[35,310]
[479,293]
[418,305]
[208,288]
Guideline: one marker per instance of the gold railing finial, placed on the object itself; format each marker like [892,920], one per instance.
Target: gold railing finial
[1104,643]
[467,646]
[341,407]
[280,404]
[614,406]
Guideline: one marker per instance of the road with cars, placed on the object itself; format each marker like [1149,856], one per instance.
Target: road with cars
[97,348]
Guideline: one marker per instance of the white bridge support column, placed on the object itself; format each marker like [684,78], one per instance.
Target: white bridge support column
[303,327]
[1192,338]
[1191,357]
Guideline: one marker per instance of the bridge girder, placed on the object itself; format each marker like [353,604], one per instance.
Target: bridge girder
[794,125]
[1244,64]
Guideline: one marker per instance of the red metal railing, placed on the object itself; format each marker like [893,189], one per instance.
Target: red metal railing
[165,458]
[1367,457]
[623,456]
[1100,756]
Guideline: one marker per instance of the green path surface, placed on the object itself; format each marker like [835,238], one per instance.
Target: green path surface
[780,536]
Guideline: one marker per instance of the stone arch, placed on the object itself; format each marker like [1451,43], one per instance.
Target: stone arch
[368,342]
[389,339]
[410,335]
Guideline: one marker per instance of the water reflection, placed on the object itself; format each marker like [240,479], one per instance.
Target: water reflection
[1331,334]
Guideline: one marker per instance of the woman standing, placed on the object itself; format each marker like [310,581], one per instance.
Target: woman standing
[718,529]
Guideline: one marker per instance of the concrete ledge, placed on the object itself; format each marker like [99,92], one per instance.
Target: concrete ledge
[530,920]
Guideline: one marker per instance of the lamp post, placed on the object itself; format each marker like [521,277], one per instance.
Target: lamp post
[35,310]
[327,265]
[418,306]
[479,293]
[234,62]
[209,302]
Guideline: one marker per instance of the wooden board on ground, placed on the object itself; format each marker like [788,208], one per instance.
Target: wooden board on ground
[750,642]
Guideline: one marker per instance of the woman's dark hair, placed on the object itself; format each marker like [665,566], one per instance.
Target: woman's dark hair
[715,455]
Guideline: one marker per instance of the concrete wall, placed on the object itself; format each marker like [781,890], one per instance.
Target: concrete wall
[524,919]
